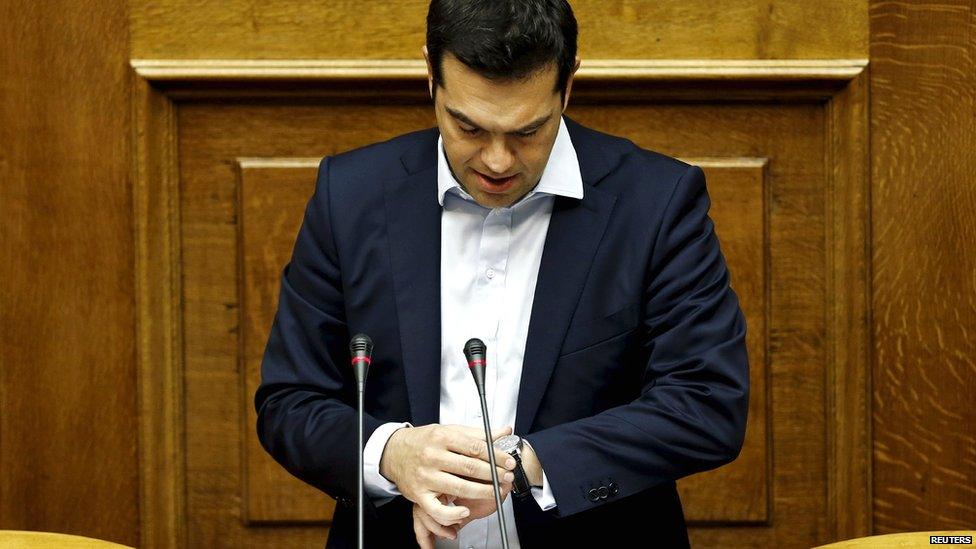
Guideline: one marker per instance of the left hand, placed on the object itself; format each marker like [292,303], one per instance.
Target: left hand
[425,527]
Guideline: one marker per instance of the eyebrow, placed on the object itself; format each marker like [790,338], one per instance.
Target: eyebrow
[526,128]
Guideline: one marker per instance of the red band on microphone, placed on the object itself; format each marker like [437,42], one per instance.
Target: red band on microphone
[365,359]
[473,363]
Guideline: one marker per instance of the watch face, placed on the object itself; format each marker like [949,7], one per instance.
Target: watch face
[509,444]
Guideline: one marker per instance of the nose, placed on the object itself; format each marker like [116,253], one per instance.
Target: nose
[497,156]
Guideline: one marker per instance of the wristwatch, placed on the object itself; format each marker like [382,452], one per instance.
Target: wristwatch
[512,445]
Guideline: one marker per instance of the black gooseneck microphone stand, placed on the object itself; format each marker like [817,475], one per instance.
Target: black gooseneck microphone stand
[475,352]
[361,350]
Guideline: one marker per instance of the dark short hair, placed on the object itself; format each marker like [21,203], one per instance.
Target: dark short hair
[503,39]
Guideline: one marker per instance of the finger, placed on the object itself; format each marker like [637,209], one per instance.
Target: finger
[476,432]
[447,483]
[439,530]
[473,468]
[446,515]
[478,448]
[424,537]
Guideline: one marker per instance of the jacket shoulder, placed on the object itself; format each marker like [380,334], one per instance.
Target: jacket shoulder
[627,157]
[377,161]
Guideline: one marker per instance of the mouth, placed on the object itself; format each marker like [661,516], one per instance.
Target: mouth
[495,184]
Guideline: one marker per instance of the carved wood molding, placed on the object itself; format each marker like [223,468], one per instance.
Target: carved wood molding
[158,86]
[167,70]
[159,346]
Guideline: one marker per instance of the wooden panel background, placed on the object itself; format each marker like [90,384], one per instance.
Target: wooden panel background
[923,140]
[271,198]
[214,135]
[68,422]
[640,29]
[68,298]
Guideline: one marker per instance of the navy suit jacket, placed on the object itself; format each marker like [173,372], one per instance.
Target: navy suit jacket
[635,370]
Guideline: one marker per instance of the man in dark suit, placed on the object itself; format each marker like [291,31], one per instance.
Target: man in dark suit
[588,265]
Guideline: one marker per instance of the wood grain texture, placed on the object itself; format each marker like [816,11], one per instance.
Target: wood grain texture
[67,382]
[923,173]
[159,360]
[640,29]
[848,313]
[272,194]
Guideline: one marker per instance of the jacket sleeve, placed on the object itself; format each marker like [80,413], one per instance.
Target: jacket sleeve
[306,402]
[691,413]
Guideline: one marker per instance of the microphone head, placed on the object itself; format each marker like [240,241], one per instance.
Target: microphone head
[475,351]
[361,345]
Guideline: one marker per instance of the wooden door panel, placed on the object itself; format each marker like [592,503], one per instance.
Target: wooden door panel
[247,168]
[272,193]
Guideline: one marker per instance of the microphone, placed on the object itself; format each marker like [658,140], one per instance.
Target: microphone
[361,351]
[475,352]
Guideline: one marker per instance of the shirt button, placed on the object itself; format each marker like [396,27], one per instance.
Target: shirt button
[490,273]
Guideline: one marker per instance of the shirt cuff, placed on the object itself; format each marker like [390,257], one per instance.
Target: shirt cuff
[543,496]
[378,487]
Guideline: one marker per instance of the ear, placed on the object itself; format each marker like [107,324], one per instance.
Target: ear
[430,72]
[569,82]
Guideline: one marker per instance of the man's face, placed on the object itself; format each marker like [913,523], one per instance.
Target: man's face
[497,134]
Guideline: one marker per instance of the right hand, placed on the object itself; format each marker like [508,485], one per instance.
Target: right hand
[450,460]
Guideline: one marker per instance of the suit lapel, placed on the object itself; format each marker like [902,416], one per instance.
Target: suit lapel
[575,230]
[414,229]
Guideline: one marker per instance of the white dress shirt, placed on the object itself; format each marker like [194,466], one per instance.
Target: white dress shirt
[489,266]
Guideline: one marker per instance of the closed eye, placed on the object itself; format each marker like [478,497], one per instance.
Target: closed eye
[476,131]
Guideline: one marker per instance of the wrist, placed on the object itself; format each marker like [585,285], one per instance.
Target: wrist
[388,458]
[530,461]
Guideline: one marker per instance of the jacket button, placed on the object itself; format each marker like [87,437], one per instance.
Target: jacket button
[602,492]
[593,495]
[613,488]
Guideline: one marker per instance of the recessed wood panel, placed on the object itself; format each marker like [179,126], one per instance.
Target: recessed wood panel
[739,492]
[213,137]
[272,194]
